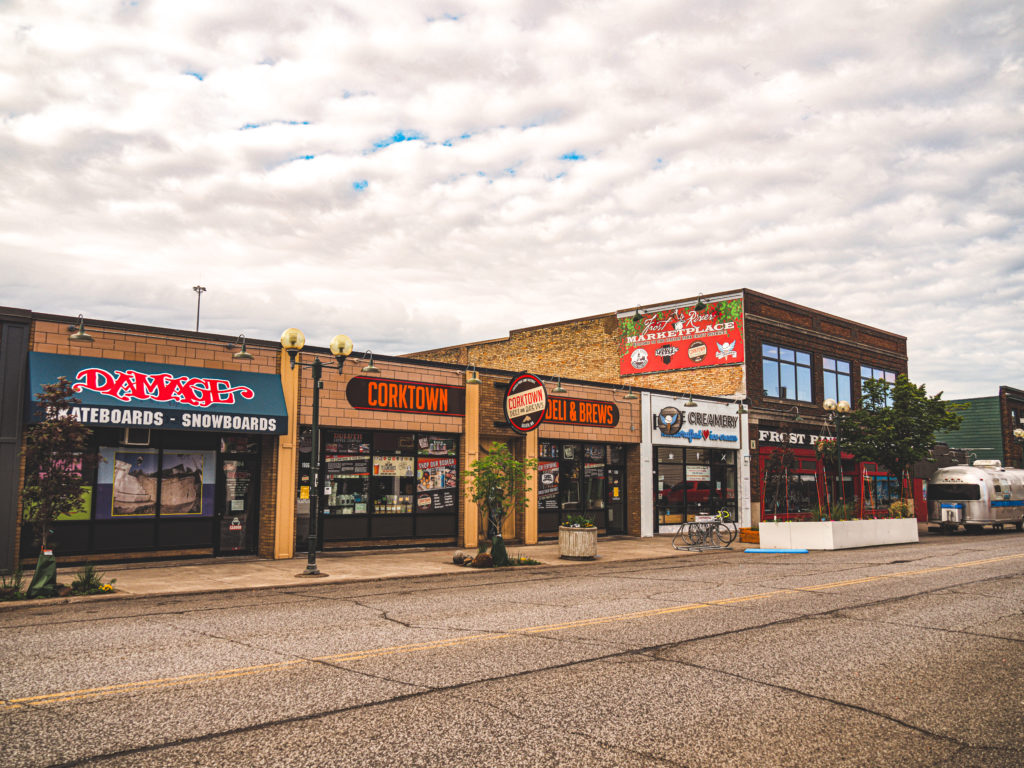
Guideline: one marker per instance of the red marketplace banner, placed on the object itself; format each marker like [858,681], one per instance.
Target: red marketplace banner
[680,337]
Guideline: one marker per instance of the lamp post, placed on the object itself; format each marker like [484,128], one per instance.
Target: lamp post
[293,340]
[835,411]
[200,290]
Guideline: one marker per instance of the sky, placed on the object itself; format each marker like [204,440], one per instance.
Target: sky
[420,174]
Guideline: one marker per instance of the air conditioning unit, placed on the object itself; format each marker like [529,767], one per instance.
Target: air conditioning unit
[135,436]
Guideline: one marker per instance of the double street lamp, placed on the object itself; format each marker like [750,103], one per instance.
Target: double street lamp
[835,411]
[292,341]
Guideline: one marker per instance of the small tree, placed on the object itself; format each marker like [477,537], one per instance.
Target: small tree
[54,449]
[499,486]
[895,425]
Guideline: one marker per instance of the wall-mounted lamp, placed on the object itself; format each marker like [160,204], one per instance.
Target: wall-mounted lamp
[79,334]
[795,410]
[371,368]
[701,305]
[559,389]
[637,317]
[630,395]
[243,353]
[740,410]
[690,402]
[473,378]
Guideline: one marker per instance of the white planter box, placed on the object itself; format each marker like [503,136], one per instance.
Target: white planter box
[838,534]
[577,543]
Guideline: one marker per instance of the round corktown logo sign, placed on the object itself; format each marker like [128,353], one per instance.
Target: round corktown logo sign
[525,402]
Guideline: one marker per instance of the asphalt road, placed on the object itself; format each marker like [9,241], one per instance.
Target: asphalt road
[909,655]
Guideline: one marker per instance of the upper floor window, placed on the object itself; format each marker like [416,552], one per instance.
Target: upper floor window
[889,377]
[787,373]
[836,374]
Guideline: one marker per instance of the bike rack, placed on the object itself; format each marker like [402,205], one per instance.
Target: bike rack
[705,525]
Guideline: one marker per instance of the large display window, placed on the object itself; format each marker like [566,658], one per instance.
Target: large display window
[178,491]
[694,481]
[381,485]
[581,478]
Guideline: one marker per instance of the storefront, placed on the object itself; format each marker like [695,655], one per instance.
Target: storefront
[390,457]
[798,477]
[697,454]
[175,457]
[584,451]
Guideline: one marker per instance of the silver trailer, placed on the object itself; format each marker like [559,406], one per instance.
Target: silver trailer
[985,493]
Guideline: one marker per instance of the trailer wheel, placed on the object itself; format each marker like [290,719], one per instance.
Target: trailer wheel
[1019,525]
[972,528]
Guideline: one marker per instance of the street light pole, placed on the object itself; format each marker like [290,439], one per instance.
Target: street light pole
[199,297]
[292,340]
[835,411]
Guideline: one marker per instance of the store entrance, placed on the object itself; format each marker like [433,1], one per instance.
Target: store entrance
[691,482]
[238,508]
[586,479]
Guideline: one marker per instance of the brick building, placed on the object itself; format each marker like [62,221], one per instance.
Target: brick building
[780,359]
[202,445]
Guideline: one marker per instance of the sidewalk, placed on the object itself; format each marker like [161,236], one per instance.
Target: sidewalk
[234,573]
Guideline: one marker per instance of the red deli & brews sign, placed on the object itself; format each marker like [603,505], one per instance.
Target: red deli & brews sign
[681,337]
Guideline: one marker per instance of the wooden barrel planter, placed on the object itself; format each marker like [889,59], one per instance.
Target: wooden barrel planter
[577,543]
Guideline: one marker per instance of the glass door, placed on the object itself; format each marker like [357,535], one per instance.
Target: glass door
[616,501]
[239,512]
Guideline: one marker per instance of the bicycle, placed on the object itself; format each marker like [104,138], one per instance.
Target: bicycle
[715,531]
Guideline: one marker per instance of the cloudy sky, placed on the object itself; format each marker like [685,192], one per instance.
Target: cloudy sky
[416,174]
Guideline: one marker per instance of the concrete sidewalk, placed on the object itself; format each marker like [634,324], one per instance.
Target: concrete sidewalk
[237,573]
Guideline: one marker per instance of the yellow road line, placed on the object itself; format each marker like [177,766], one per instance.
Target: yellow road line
[167,682]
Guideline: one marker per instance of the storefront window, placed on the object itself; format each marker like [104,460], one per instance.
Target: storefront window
[880,491]
[575,478]
[694,481]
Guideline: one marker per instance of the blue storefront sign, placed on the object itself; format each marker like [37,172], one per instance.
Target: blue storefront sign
[129,393]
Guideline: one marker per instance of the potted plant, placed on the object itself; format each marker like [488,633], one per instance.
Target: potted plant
[499,485]
[577,538]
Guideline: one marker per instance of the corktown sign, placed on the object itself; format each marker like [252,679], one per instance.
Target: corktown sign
[526,402]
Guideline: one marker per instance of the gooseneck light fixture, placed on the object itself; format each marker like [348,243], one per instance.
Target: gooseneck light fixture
[701,305]
[473,378]
[690,403]
[243,353]
[559,389]
[371,368]
[292,341]
[79,331]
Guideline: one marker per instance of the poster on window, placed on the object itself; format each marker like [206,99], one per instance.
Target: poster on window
[435,474]
[436,501]
[547,485]
[393,466]
[127,483]
[74,467]
[188,482]
[681,336]
[131,483]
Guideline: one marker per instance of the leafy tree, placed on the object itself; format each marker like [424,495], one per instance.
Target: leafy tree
[895,424]
[54,450]
[499,486]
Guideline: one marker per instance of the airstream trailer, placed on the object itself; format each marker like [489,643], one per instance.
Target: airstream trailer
[985,493]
